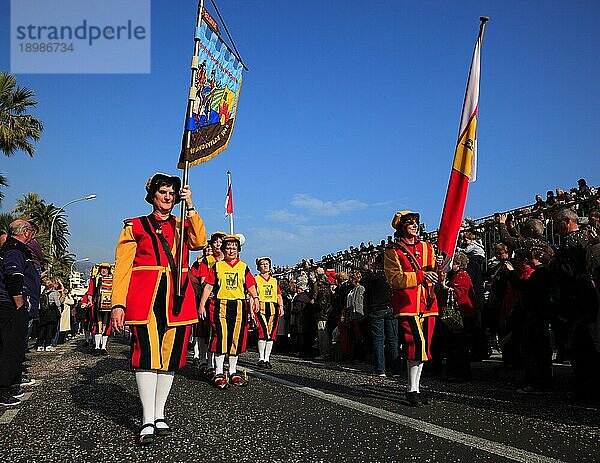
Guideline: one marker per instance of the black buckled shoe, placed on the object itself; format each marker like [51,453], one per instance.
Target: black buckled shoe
[413,399]
[424,398]
[162,431]
[146,439]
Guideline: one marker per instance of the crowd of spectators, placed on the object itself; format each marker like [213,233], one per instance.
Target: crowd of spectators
[60,317]
[525,283]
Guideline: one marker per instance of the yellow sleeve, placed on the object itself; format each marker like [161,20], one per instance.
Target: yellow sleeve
[124,255]
[196,233]
[396,277]
[432,258]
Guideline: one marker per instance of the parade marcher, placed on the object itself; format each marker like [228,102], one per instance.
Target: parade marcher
[199,272]
[98,297]
[144,295]
[409,265]
[198,336]
[19,290]
[87,322]
[269,310]
[229,280]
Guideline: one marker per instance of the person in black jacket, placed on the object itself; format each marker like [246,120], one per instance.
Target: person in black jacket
[384,327]
[538,296]
[19,290]
[577,304]
[304,310]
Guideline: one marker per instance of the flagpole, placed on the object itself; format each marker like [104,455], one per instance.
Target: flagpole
[230,215]
[188,138]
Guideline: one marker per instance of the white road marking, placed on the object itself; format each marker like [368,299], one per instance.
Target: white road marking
[475,442]
[446,393]
[9,415]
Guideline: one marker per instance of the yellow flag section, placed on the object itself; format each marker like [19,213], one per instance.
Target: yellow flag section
[464,167]
[465,157]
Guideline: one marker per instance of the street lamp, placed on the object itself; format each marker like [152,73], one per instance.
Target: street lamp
[85,259]
[85,198]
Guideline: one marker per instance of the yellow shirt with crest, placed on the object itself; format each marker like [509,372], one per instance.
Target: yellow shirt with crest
[231,280]
[267,289]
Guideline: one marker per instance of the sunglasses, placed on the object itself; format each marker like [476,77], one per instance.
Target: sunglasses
[410,222]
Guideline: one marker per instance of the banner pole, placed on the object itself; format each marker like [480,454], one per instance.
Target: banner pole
[188,138]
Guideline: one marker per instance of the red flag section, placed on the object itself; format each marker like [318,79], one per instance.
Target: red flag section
[465,161]
[229,200]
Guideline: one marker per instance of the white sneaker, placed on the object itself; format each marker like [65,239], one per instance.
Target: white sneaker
[50,349]
[40,349]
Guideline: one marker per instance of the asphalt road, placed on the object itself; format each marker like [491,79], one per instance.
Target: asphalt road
[85,408]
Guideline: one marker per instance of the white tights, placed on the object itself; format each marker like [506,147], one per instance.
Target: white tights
[153,387]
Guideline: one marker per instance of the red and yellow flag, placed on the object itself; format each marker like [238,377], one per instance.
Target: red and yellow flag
[464,167]
[229,197]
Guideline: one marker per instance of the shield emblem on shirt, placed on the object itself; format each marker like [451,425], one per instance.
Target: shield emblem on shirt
[231,281]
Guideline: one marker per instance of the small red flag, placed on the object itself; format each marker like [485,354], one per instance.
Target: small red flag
[228,199]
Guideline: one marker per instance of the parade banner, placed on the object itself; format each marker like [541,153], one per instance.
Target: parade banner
[215,96]
[465,161]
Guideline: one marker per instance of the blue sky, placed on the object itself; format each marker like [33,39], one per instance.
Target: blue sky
[349,112]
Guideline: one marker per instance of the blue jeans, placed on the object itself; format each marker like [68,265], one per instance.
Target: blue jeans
[56,334]
[384,329]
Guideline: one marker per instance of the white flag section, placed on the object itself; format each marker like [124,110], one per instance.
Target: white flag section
[471,103]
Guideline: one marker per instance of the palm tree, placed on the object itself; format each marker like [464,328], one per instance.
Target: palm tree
[17,128]
[34,209]
[62,266]
[5,220]
[3,182]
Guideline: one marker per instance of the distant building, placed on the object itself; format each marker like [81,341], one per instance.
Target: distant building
[78,284]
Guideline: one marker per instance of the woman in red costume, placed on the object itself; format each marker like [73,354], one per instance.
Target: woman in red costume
[144,295]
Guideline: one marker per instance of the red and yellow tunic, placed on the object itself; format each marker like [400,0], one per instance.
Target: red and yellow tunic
[412,295]
[141,263]
[99,292]
[206,264]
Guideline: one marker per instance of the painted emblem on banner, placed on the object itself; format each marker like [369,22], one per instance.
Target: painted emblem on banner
[216,93]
